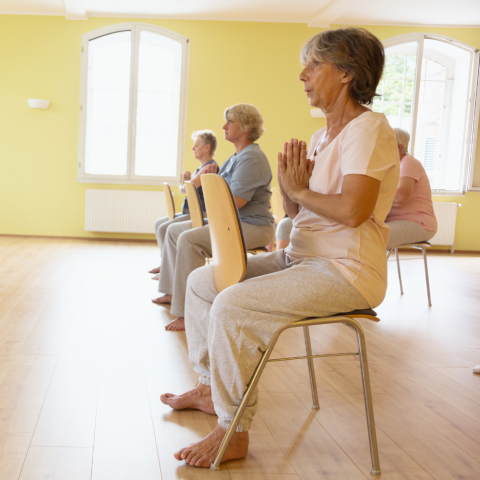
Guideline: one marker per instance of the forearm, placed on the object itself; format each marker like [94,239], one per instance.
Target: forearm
[290,208]
[338,208]
[197,181]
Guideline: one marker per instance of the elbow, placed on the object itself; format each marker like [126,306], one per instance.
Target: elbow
[355,221]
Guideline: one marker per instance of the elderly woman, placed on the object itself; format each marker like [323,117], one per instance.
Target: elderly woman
[411,218]
[204,146]
[338,194]
[249,175]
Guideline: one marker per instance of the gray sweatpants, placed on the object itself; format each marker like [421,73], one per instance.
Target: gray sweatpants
[185,250]
[284,229]
[403,232]
[161,226]
[227,333]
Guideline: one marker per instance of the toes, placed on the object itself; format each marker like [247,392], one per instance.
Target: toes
[190,457]
[177,456]
[164,398]
[196,460]
[185,453]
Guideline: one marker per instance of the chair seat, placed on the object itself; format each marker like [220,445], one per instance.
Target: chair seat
[261,249]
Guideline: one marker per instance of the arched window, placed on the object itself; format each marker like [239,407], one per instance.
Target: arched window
[133,90]
[428,88]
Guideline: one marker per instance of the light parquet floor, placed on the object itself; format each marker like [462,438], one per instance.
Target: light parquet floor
[84,357]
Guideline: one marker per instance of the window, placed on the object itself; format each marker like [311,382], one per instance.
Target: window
[133,90]
[428,88]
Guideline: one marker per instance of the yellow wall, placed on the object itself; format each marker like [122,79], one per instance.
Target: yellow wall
[230,62]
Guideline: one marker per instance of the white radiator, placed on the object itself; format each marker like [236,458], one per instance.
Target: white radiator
[125,211]
[446,214]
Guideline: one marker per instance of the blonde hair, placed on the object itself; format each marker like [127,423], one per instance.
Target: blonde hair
[208,138]
[403,138]
[249,118]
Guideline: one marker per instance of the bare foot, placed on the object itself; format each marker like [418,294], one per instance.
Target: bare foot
[166,299]
[200,398]
[154,270]
[156,277]
[176,325]
[203,453]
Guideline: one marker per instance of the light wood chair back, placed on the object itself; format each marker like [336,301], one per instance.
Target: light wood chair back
[194,205]
[169,200]
[277,204]
[228,245]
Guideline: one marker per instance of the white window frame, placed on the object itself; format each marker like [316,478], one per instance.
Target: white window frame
[130,178]
[470,140]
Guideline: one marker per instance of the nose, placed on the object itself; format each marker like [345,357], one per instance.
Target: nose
[302,77]
[225,126]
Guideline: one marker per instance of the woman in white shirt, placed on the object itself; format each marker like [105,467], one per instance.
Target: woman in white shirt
[338,195]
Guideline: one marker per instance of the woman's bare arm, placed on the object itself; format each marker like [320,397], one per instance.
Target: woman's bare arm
[404,191]
[352,207]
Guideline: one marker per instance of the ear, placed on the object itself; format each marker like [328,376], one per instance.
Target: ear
[347,77]
[208,147]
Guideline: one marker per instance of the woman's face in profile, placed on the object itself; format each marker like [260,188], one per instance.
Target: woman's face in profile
[322,83]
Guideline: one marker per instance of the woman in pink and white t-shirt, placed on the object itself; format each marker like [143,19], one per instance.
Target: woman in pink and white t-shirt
[338,195]
[411,219]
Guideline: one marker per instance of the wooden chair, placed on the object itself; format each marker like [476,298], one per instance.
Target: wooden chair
[418,246]
[169,200]
[229,268]
[194,205]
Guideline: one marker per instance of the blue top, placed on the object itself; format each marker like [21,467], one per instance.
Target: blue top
[249,176]
[199,190]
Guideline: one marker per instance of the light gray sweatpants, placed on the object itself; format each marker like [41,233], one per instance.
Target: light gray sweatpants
[227,333]
[403,232]
[161,226]
[284,229]
[185,250]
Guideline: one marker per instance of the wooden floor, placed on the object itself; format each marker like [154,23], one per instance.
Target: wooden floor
[84,357]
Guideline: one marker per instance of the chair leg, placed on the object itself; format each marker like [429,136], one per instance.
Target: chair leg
[367,392]
[311,369]
[243,404]
[426,276]
[398,268]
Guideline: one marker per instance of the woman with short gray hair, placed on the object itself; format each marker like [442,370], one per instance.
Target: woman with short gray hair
[411,219]
[204,147]
[338,195]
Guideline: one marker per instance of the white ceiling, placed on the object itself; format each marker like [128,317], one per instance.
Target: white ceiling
[316,13]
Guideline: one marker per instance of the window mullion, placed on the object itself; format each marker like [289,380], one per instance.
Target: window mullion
[132,125]
[416,93]
[474,120]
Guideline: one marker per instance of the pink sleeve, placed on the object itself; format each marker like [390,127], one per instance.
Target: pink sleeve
[411,167]
[369,149]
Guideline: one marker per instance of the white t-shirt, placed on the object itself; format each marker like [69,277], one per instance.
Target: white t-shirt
[366,146]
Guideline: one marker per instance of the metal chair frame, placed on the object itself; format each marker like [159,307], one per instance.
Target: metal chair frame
[418,246]
[348,320]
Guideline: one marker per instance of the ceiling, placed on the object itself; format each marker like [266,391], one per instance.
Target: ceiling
[315,13]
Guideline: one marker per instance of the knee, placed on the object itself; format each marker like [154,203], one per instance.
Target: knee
[202,283]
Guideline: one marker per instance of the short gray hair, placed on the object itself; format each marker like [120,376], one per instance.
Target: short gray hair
[403,138]
[352,50]
[208,138]
[249,117]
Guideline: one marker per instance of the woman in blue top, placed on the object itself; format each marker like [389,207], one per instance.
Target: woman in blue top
[204,146]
